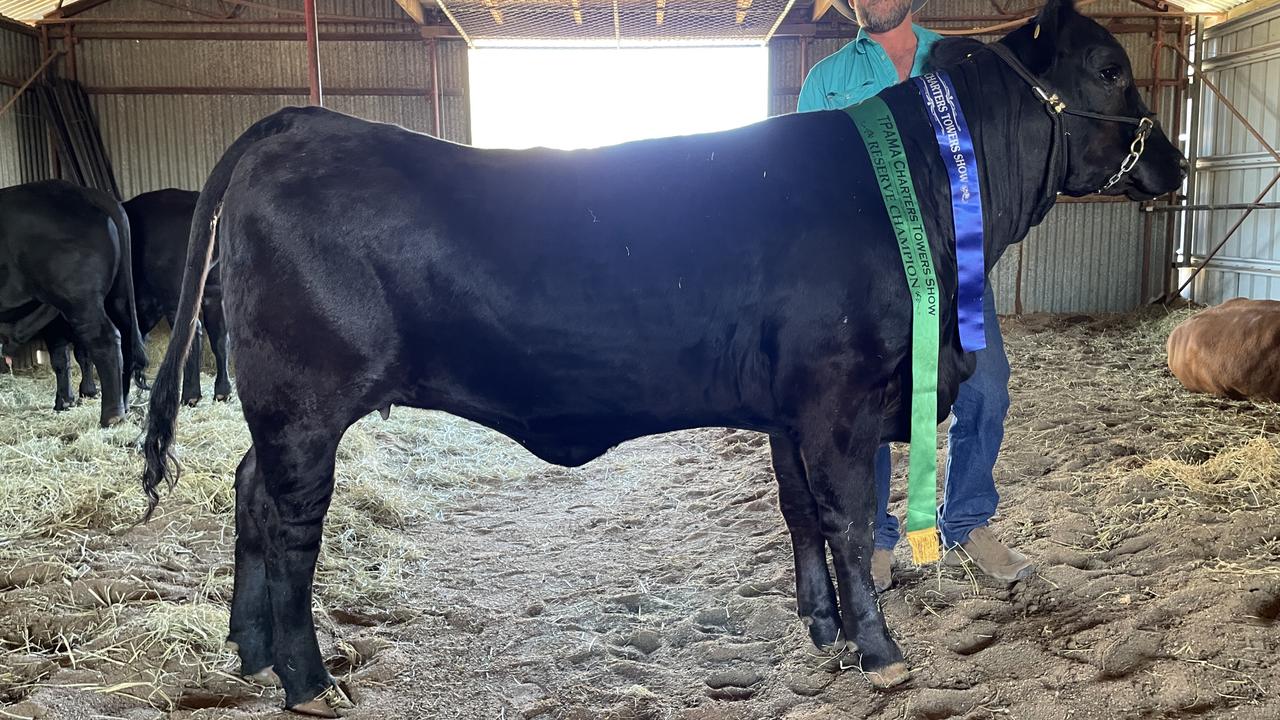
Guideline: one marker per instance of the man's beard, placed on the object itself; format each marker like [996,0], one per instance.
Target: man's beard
[877,16]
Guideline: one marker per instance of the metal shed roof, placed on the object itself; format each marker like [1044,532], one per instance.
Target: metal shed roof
[579,18]
[27,11]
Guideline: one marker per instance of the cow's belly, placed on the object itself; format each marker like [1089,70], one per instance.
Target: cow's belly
[570,399]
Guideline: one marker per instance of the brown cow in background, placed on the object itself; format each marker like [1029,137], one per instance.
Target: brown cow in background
[1232,349]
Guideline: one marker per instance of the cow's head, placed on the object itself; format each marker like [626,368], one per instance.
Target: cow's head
[1076,58]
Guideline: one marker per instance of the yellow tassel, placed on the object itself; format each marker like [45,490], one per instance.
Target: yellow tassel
[924,546]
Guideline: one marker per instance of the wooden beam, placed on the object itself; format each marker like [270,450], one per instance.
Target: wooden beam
[413,9]
[439,31]
[820,8]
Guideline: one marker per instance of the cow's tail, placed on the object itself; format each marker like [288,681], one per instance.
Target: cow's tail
[162,416]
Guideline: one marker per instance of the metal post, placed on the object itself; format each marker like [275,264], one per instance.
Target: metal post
[46,50]
[1171,221]
[1193,148]
[1157,36]
[70,40]
[313,52]
[437,97]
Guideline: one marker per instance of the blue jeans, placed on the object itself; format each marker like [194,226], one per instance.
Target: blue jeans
[973,443]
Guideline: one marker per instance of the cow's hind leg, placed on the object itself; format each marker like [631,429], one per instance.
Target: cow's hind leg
[215,325]
[191,373]
[250,634]
[60,358]
[815,596]
[288,485]
[88,388]
[130,360]
[838,444]
[98,335]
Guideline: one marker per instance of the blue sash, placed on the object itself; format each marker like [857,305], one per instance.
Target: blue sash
[955,144]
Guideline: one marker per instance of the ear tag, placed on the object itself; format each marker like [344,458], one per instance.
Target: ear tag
[1036,35]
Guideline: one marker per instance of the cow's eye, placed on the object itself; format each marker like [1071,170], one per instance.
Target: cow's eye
[1110,73]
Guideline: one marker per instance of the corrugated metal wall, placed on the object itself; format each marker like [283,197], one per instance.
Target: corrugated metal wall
[170,102]
[1085,256]
[1242,57]
[24,152]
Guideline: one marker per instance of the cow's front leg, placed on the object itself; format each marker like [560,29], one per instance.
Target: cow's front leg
[839,449]
[815,596]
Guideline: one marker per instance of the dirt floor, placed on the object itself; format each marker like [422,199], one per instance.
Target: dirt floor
[465,579]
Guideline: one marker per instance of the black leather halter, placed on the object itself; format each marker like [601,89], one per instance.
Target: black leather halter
[1057,170]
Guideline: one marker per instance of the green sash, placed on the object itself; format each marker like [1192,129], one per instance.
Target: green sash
[879,132]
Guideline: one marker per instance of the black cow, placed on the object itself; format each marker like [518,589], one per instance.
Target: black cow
[576,300]
[65,253]
[161,224]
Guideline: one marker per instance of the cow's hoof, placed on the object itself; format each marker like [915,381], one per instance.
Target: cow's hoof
[191,402]
[327,705]
[222,397]
[315,708]
[265,677]
[110,421]
[888,676]
[89,394]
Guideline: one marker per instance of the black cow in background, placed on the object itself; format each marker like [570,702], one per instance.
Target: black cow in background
[66,272]
[161,224]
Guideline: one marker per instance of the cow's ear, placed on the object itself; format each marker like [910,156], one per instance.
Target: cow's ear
[1046,32]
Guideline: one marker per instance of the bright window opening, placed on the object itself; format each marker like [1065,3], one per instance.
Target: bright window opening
[570,98]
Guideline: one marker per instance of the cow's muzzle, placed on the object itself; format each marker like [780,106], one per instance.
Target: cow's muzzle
[1135,152]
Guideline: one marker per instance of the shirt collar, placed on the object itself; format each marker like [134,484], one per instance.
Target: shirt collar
[863,38]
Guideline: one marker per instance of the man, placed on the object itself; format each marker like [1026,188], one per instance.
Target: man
[888,49]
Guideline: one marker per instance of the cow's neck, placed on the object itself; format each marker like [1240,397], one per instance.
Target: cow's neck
[1013,137]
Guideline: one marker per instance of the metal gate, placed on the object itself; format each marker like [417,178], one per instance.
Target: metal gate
[1230,228]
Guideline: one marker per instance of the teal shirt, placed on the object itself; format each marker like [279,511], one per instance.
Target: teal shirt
[858,71]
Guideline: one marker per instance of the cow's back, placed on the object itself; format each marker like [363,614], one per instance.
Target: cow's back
[1232,350]
[160,221]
